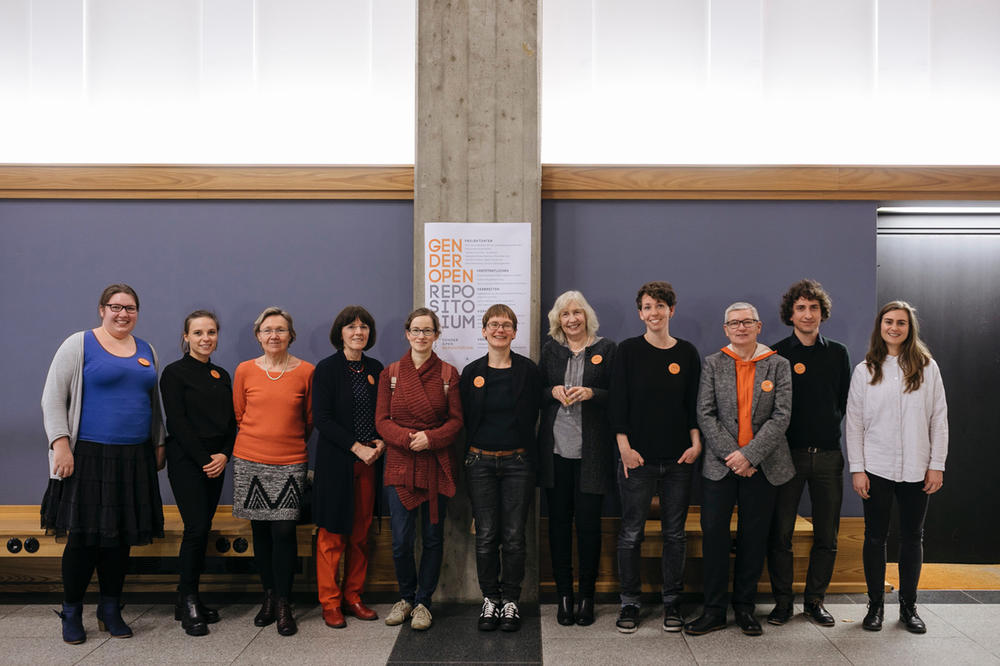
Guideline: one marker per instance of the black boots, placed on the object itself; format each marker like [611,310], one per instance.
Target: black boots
[908,616]
[265,615]
[565,615]
[186,610]
[873,620]
[286,620]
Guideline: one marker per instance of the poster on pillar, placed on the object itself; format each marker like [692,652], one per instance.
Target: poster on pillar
[469,266]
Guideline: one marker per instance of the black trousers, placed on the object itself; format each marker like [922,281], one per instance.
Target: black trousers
[912,511]
[755,497]
[566,500]
[79,562]
[274,552]
[824,472]
[197,499]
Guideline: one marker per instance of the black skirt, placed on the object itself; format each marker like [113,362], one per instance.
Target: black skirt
[112,499]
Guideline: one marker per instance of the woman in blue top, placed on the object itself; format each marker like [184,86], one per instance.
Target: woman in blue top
[102,418]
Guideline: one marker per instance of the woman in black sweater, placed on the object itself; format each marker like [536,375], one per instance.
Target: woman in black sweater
[576,460]
[198,402]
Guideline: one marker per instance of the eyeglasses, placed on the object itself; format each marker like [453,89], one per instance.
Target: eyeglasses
[505,325]
[117,307]
[273,331]
[745,323]
[418,332]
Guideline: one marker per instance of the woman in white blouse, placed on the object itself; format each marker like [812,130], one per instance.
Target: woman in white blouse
[897,442]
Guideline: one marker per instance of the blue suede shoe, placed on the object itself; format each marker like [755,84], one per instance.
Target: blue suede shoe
[109,618]
[72,623]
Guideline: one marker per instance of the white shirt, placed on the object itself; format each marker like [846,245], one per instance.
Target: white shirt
[893,434]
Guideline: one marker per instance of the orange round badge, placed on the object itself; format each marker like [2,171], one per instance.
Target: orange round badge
[767,386]
[799,368]
[215,373]
[479,382]
[144,362]
[674,369]
[371,380]
[596,359]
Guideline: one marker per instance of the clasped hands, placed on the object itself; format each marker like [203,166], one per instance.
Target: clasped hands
[567,396]
[738,462]
[367,453]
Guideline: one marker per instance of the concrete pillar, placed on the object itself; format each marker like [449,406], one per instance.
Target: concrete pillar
[477,160]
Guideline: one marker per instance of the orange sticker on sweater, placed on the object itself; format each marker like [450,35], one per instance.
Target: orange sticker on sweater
[596,359]
[674,369]
[215,373]
[767,386]
[371,380]
[144,362]
[479,382]
[799,368]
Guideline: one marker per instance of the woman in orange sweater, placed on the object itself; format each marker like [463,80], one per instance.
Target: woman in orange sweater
[418,414]
[273,405]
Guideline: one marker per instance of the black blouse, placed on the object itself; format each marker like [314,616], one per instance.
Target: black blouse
[198,403]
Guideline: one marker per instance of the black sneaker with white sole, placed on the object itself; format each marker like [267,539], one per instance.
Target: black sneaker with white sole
[489,618]
[672,619]
[628,619]
[510,619]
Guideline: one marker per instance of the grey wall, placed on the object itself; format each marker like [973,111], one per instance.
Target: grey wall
[714,253]
[312,258]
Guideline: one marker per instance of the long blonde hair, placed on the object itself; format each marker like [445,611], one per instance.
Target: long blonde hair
[913,352]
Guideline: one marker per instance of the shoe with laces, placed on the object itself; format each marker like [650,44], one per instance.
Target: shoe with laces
[510,618]
[400,611]
[489,618]
[672,619]
[420,618]
[628,619]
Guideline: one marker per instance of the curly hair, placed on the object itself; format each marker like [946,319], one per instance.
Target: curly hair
[660,291]
[811,290]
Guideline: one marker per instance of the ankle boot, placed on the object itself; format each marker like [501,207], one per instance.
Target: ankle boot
[191,620]
[72,623]
[286,620]
[565,613]
[585,612]
[265,615]
[208,615]
[873,619]
[109,618]
[908,616]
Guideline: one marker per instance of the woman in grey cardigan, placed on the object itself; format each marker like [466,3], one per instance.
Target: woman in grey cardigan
[105,434]
[575,446]
[744,406]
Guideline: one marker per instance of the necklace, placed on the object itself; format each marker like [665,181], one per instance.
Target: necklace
[360,364]
[266,372]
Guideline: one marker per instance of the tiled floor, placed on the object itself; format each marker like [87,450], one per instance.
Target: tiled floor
[963,628]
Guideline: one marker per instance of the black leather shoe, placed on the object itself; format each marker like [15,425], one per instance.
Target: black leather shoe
[210,614]
[585,612]
[747,623]
[873,619]
[818,614]
[908,616]
[191,620]
[265,615]
[705,624]
[565,613]
[780,614]
[285,620]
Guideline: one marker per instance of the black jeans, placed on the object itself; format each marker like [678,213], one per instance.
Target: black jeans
[755,497]
[912,511]
[275,549]
[79,562]
[672,482]
[823,470]
[417,588]
[566,499]
[197,499]
[501,490]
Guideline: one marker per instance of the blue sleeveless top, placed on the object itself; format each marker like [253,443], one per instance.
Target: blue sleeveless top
[117,403]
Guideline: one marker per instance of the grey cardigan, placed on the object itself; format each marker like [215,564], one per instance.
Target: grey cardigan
[62,397]
[718,417]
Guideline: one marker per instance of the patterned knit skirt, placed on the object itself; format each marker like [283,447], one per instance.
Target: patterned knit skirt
[268,492]
[111,499]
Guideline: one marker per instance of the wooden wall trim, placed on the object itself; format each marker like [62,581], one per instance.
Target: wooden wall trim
[874,183]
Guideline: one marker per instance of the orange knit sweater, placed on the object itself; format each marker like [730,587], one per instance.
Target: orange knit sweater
[275,417]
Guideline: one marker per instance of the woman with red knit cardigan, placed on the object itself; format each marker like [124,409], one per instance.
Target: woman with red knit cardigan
[418,414]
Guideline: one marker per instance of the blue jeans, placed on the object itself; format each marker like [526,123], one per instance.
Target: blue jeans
[417,588]
[501,490]
[672,482]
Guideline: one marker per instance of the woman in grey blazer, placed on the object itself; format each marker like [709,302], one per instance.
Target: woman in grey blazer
[744,406]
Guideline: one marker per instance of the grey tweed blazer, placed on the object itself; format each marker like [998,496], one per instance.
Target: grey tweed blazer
[718,417]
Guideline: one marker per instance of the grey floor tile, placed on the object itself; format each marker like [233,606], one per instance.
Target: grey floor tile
[901,647]
[38,621]
[159,639]
[44,651]
[798,641]
[979,622]
[985,596]
[944,597]
[850,616]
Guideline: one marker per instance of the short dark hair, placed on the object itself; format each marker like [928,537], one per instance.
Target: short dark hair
[346,317]
[423,312]
[811,290]
[118,288]
[661,291]
[500,310]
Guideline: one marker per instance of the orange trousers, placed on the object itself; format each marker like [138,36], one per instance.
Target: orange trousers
[330,547]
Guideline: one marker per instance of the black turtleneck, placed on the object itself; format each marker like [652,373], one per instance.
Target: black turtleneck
[198,403]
